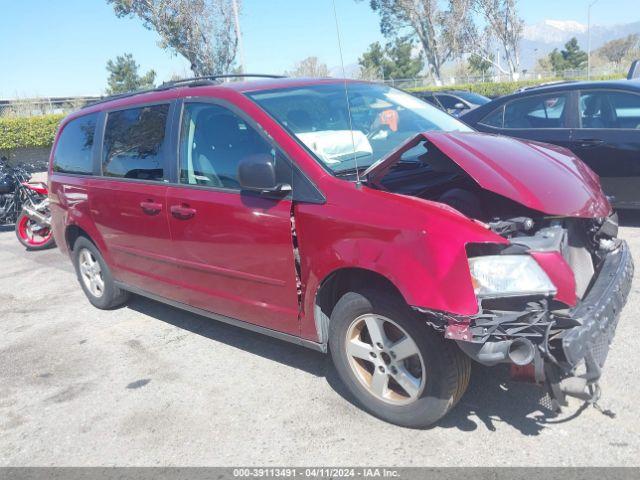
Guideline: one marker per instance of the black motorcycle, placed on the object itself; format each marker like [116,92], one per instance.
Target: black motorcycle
[25,204]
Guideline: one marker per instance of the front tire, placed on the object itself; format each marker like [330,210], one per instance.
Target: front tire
[397,368]
[95,277]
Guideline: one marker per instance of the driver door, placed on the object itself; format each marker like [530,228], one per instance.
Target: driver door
[234,249]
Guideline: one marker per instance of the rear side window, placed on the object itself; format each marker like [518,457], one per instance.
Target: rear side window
[73,151]
[134,143]
[495,118]
[540,111]
[609,109]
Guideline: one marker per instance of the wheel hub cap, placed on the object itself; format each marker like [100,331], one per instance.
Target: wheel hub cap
[385,359]
[91,273]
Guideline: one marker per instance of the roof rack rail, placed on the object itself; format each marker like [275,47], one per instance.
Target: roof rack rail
[186,82]
[213,78]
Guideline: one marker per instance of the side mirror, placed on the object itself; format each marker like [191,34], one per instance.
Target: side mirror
[258,173]
[459,106]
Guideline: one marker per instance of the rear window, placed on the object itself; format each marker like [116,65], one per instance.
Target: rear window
[73,151]
[134,143]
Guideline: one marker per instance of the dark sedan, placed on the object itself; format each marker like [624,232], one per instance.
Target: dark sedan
[454,102]
[598,121]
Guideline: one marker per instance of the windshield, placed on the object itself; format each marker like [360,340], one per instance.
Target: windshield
[382,118]
[473,98]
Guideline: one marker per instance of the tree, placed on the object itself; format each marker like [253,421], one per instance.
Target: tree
[571,58]
[436,29]
[123,76]
[373,62]
[616,50]
[396,60]
[480,65]
[202,31]
[401,62]
[502,27]
[309,67]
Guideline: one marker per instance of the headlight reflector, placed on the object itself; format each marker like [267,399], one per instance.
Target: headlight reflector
[508,275]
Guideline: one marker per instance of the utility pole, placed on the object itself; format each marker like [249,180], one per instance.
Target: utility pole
[589,38]
[236,17]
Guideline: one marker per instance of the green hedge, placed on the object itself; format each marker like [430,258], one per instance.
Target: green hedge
[497,89]
[28,132]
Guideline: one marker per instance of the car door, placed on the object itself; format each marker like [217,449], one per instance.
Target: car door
[608,140]
[234,249]
[547,117]
[128,202]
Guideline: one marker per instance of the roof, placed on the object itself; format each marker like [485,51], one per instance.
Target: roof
[577,85]
[202,86]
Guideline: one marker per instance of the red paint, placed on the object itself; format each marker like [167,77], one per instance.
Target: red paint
[546,178]
[23,230]
[232,254]
[560,274]
[39,188]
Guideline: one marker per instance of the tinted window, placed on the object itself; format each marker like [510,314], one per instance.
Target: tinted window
[540,111]
[134,143]
[495,118]
[473,98]
[609,109]
[73,151]
[213,142]
[449,102]
[427,97]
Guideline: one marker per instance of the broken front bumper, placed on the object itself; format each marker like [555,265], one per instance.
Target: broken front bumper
[597,314]
[559,338]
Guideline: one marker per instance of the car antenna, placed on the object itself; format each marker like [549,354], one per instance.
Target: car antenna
[346,94]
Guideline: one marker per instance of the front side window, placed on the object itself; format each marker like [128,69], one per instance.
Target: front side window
[539,111]
[379,119]
[609,109]
[74,147]
[213,142]
[134,143]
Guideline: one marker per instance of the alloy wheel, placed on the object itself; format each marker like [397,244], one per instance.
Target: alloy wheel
[91,273]
[385,359]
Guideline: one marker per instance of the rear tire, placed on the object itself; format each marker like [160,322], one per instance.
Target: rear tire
[426,375]
[95,277]
[29,239]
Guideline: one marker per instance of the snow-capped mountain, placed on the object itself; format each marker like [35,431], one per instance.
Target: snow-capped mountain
[550,31]
[540,38]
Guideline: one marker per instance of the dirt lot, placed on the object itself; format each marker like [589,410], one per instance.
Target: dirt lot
[151,385]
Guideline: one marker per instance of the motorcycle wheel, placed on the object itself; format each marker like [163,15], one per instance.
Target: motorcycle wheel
[30,238]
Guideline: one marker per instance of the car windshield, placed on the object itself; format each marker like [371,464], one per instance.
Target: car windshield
[380,118]
[473,98]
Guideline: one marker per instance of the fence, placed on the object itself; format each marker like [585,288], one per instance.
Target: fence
[30,107]
[452,80]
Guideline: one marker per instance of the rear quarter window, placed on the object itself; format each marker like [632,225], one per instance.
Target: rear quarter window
[134,143]
[73,153]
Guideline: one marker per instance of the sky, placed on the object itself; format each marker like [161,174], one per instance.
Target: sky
[61,47]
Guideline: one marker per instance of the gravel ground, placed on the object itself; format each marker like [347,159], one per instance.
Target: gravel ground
[151,385]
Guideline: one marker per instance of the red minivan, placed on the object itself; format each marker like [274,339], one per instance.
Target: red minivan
[351,218]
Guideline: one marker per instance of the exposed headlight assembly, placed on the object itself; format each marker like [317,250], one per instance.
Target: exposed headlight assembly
[509,276]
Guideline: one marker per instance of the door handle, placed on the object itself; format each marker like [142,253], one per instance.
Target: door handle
[182,212]
[590,142]
[150,207]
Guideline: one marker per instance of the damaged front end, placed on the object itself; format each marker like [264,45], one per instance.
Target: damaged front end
[559,338]
[549,299]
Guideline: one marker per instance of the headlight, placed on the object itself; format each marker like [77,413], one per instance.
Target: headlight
[508,275]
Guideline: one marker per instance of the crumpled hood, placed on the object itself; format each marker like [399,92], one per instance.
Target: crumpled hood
[540,176]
